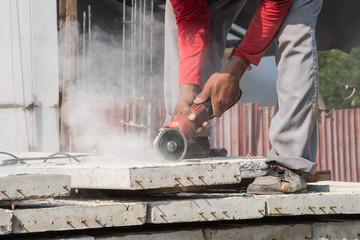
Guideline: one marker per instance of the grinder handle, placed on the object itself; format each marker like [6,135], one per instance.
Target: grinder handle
[207,104]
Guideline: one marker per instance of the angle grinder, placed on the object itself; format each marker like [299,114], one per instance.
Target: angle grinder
[171,141]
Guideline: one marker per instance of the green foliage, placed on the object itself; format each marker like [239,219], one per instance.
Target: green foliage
[336,70]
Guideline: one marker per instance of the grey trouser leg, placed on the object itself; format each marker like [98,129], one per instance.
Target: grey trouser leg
[223,14]
[293,127]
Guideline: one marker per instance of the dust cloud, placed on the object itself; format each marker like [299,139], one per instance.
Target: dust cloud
[111,106]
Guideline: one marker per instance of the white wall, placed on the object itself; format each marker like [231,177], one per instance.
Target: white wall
[29,75]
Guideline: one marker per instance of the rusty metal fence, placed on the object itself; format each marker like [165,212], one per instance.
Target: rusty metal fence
[244,129]
[339,144]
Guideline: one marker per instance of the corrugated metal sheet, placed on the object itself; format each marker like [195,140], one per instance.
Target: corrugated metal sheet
[339,144]
[242,130]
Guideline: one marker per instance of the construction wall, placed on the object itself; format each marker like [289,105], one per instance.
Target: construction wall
[29,71]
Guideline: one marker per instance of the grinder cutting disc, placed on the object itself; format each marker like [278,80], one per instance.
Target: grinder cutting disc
[171,143]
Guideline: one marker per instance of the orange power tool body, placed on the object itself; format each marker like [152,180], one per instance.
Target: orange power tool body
[171,141]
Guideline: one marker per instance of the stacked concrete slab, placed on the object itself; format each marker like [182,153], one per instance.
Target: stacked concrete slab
[32,176]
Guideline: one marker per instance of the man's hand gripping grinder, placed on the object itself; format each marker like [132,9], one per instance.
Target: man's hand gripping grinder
[171,141]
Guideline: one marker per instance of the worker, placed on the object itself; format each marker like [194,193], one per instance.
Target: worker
[195,38]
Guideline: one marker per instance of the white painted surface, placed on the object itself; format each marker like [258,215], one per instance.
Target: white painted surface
[29,72]
[46,67]
[47,128]
[17,129]
[16,51]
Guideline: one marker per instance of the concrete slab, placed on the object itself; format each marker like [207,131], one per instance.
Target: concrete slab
[5,221]
[344,230]
[34,186]
[92,173]
[83,237]
[260,232]
[313,204]
[174,235]
[333,186]
[59,215]
[205,209]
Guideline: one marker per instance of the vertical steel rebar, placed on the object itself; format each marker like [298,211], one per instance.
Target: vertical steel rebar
[89,44]
[122,106]
[83,48]
[151,47]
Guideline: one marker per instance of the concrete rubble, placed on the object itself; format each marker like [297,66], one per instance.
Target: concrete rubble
[42,196]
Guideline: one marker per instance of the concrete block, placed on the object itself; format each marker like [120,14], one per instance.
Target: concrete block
[205,209]
[333,186]
[92,173]
[175,235]
[34,186]
[83,237]
[185,174]
[313,204]
[5,221]
[253,167]
[72,215]
[346,230]
[260,232]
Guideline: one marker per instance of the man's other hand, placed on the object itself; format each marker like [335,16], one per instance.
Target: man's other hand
[187,94]
[223,88]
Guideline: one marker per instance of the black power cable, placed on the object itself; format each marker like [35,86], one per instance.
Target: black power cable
[58,155]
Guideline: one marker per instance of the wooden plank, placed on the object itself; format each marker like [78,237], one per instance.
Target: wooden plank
[322,175]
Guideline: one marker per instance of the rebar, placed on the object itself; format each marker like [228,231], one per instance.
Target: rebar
[89,43]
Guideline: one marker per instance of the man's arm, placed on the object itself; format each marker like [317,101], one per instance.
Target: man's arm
[193,21]
[264,25]
[223,86]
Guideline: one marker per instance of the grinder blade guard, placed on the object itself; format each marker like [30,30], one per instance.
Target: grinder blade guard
[172,139]
[171,143]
